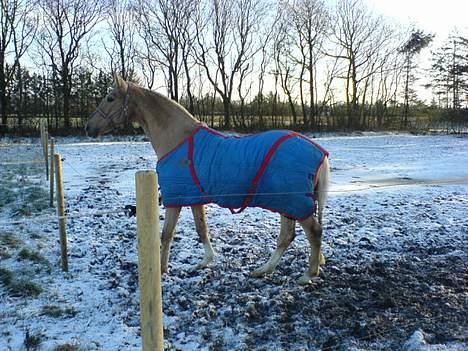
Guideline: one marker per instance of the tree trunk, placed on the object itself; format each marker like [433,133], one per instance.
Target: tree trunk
[312,113]
[3,98]
[354,101]
[348,102]
[191,106]
[4,110]
[362,113]
[406,107]
[19,112]
[303,107]
[66,108]
[227,112]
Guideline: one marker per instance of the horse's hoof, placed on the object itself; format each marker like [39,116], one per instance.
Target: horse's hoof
[307,279]
[202,265]
[257,274]
[261,272]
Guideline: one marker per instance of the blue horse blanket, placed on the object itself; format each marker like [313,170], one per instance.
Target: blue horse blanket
[275,170]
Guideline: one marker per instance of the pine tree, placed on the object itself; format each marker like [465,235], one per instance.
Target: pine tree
[449,74]
[417,41]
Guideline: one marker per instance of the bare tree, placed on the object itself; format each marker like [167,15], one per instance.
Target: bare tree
[309,27]
[360,35]
[122,53]
[330,69]
[267,35]
[17,31]
[284,62]
[242,91]
[226,43]
[165,28]
[389,79]
[64,25]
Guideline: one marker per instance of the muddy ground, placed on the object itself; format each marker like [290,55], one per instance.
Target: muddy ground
[395,278]
[374,291]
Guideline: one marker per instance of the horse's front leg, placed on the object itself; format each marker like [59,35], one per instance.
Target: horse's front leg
[168,232]
[199,217]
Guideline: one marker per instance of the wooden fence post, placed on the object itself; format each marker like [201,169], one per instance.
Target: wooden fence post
[51,172]
[44,144]
[61,211]
[149,261]
[46,153]
[41,133]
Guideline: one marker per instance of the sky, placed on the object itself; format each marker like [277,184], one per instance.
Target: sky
[439,17]
[434,16]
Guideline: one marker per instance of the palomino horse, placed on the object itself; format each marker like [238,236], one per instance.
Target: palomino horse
[178,138]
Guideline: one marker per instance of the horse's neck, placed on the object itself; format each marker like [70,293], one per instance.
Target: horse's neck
[166,124]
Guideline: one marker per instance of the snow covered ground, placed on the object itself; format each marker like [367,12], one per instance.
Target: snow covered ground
[395,239]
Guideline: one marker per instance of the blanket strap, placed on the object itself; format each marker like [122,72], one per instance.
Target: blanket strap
[261,171]
[192,166]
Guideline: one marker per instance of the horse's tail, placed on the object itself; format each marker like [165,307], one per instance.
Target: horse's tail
[321,190]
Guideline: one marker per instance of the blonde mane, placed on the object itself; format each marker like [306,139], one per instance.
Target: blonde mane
[161,102]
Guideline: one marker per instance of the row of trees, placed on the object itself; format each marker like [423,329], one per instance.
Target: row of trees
[237,63]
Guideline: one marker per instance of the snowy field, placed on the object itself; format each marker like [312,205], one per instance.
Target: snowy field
[395,240]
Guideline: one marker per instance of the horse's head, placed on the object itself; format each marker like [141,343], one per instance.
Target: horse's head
[112,112]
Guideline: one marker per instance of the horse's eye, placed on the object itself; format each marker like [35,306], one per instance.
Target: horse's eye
[110,99]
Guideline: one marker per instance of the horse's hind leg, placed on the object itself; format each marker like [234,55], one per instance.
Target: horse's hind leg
[287,234]
[199,217]
[168,232]
[313,231]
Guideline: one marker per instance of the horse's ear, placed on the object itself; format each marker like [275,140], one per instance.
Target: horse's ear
[120,83]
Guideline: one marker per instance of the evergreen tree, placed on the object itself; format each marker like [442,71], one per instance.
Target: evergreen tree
[449,74]
[417,41]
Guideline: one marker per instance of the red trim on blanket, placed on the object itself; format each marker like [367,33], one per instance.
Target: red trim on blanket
[201,126]
[326,153]
[212,131]
[318,170]
[215,132]
[192,166]
[182,142]
[262,169]
[193,172]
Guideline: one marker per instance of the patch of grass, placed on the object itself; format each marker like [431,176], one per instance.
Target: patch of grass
[67,347]
[18,288]
[7,196]
[35,236]
[8,239]
[33,199]
[56,311]
[34,193]
[34,256]
[4,254]
[33,341]
[24,288]
[6,277]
